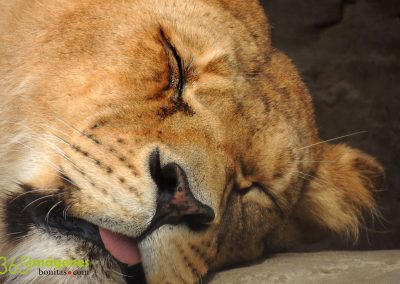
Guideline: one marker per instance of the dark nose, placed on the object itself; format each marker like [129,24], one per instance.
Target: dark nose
[176,203]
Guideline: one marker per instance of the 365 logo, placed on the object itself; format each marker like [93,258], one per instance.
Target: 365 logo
[49,266]
[20,267]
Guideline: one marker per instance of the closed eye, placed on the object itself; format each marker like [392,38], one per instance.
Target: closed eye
[271,195]
[268,192]
[177,80]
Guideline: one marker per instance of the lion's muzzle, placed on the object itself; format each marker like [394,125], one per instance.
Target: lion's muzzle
[175,202]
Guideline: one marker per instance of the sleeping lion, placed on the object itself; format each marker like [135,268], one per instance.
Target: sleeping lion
[168,133]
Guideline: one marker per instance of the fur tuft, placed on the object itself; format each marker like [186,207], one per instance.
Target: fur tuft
[341,191]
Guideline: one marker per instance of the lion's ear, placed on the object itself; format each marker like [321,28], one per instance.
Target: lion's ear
[341,190]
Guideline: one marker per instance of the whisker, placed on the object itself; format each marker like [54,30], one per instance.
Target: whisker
[62,154]
[14,233]
[65,211]
[43,202]
[315,179]
[115,152]
[51,164]
[58,130]
[37,199]
[305,178]
[119,273]
[311,176]
[322,161]
[332,139]
[34,150]
[72,127]
[48,213]
[25,193]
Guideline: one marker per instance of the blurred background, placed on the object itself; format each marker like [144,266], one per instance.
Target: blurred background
[348,53]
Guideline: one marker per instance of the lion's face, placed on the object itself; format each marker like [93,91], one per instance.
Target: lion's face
[171,123]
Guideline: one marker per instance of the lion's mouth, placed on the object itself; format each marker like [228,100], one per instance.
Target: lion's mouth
[48,212]
[32,209]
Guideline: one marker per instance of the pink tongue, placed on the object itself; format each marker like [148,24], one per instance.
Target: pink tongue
[121,247]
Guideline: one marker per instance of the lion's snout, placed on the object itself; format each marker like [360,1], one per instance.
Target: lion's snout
[175,200]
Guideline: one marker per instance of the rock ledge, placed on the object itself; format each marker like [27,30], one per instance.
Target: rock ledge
[320,267]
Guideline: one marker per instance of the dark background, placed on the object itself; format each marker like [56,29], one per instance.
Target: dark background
[348,53]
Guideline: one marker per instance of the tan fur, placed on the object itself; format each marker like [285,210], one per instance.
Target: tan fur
[86,87]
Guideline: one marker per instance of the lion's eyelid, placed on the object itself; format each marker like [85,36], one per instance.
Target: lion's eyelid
[170,48]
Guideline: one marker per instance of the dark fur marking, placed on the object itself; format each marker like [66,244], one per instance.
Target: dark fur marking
[19,217]
[134,274]
[201,254]
[313,173]
[98,124]
[288,195]
[369,170]
[99,163]
[161,94]
[75,147]
[136,192]
[278,173]
[187,261]
[64,177]
[266,103]
[177,106]
[94,127]
[79,150]
[94,139]
[239,108]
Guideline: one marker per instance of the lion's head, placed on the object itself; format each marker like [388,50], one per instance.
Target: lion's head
[169,129]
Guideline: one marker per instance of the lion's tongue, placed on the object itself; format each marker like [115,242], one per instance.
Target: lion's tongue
[120,247]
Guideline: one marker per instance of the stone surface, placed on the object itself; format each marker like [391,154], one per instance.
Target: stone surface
[348,52]
[323,267]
